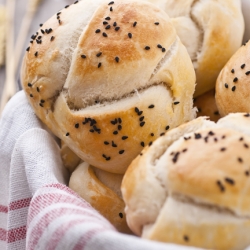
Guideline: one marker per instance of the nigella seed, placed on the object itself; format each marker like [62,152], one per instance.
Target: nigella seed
[59,21]
[246,145]
[75,2]
[29,85]
[159,46]
[175,103]
[107,27]
[142,124]
[222,149]
[37,89]
[111,9]
[31,95]
[216,113]
[150,143]
[66,6]
[157,23]
[147,48]
[141,118]
[222,188]
[229,181]
[117,28]
[121,152]
[119,127]
[247,115]
[52,38]
[152,134]
[136,110]
[243,66]
[185,237]
[67,134]
[162,134]
[98,31]
[42,31]
[124,137]
[106,142]
[142,144]
[115,132]
[226,85]
[42,101]
[247,173]
[176,157]
[151,106]
[28,49]
[41,105]
[241,139]
[232,71]
[114,24]
[163,49]
[248,73]
[92,130]
[83,56]
[99,64]
[197,136]
[121,215]
[104,34]
[233,88]
[235,79]
[77,125]
[108,158]
[105,22]
[134,24]
[167,128]
[99,54]
[117,59]
[40,24]
[129,35]
[114,145]
[211,133]
[112,2]
[140,112]
[107,18]
[36,54]
[240,159]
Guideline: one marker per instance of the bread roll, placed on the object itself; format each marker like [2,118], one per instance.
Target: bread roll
[108,78]
[233,83]
[211,31]
[206,106]
[193,188]
[69,158]
[102,190]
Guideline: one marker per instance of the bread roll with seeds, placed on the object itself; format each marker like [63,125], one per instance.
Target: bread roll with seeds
[233,83]
[108,78]
[102,190]
[193,188]
[211,30]
[206,106]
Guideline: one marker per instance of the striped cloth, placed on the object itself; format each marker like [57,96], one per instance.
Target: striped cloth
[37,209]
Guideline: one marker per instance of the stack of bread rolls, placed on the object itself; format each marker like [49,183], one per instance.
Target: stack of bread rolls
[115,81]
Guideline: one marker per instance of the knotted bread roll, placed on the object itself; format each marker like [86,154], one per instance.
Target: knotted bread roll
[192,186]
[211,30]
[108,78]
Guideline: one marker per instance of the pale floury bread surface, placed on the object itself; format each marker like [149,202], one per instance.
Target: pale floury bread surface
[192,186]
[211,30]
[103,191]
[233,83]
[108,78]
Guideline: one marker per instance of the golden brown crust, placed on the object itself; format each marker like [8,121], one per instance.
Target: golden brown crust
[233,83]
[206,106]
[85,182]
[142,91]
[192,188]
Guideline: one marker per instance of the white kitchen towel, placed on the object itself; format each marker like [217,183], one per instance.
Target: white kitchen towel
[37,209]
